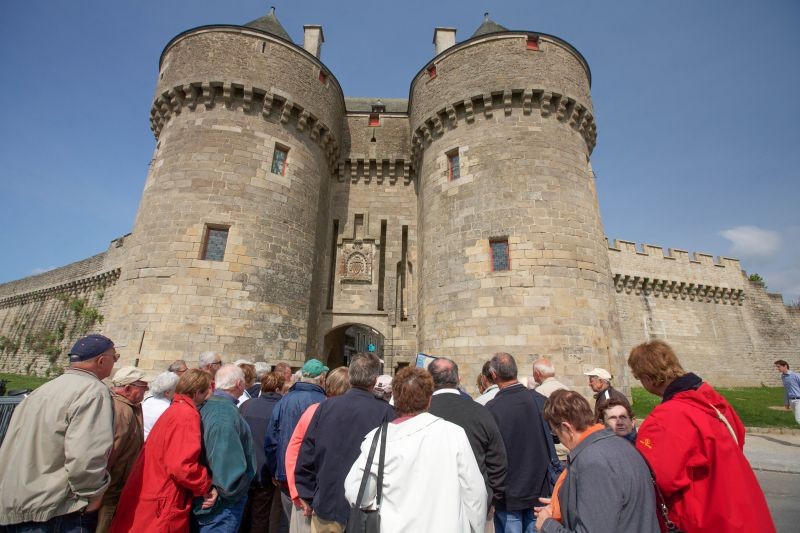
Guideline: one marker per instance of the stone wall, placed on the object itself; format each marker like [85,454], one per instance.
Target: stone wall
[41,316]
[724,327]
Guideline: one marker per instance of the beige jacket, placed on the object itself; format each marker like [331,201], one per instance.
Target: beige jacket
[54,456]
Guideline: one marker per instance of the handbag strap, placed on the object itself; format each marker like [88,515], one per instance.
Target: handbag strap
[661,502]
[368,468]
[724,420]
[385,429]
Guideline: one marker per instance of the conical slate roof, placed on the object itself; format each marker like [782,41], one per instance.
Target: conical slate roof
[269,23]
[488,26]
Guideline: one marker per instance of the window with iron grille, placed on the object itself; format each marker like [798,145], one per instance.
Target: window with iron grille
[216,239]
[453,165]
[500,259]
[279,157]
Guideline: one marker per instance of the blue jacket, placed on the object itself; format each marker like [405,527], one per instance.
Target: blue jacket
[282,422]
[331,446]
[228,446]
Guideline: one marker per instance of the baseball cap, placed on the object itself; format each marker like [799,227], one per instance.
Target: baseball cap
[127,375]
[89,347]
[599,372]
[314,368]
[384,383]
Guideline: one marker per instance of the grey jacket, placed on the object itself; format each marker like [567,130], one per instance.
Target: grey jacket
[54,457]
[607,489]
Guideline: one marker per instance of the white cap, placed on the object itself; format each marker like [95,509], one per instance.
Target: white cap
[601,373]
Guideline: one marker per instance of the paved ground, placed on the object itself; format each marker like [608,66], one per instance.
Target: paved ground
[776,461]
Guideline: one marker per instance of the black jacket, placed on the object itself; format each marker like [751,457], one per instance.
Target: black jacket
[256,412]
[331,446]
[483,434]
[520,425]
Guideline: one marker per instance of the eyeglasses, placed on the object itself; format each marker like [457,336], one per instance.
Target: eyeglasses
[144,386]
[218,363]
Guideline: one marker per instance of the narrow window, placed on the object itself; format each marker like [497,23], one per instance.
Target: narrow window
[533,42]
[263,47]
[374,119]
[500,259]
[214,243]
[332,263]
[453,165]
[323,77]
[432,71]
[279,157]
[382,265]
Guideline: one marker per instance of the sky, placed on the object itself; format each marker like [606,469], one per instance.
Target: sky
[697,125]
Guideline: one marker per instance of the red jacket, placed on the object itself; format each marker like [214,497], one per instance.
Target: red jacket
[167,475]
[701,470]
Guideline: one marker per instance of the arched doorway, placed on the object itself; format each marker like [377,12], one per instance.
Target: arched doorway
[342,342]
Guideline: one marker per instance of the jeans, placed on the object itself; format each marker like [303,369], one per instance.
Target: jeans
[514,521]
[226,520]
[77,522]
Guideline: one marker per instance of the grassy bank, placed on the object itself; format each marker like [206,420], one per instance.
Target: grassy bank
[752,404]
[22,382]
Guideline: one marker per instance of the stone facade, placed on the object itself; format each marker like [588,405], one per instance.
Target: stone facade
[382,215]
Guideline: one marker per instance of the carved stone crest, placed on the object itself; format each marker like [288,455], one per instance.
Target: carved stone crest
[356,261]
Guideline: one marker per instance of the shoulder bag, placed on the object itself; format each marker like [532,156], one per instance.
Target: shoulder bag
[369,520]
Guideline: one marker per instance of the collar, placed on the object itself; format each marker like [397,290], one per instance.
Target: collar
[491,387]
[686,382]
[447,391]
[224,394]
[591,435]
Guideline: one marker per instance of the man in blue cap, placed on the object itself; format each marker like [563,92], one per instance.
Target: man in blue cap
[309,390]
[53,462]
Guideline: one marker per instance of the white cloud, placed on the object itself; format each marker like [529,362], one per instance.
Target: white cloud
[751,241]
[36,271]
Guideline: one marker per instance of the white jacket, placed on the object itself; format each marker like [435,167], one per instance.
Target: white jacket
[431,481]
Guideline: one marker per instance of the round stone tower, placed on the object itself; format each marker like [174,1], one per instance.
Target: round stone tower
[512,250]
[248,127]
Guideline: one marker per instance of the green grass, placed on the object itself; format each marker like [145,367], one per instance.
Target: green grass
[752,404]
[22,382]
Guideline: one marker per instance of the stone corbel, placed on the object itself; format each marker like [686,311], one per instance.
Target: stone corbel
[315,129]
[469,111]
[247,107]
[563,105]
[487,105]
[302,120]
[437,125]
[227,95]
[507,101]
[175,99]
[527,101]
[190,93]
[451,116]
[286,112]
[545,103]
[266,109]
[208,95]
[576,117]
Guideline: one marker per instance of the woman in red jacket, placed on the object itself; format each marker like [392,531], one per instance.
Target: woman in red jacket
[694,443]
[168,475]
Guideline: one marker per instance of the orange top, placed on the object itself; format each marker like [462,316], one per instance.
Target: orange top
[556,505]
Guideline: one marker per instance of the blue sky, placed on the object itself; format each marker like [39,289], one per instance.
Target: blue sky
[695,104]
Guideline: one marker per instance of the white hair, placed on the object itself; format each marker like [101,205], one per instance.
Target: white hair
[206,358]
[262,369]
[544,369]
[227,376]
[163,383]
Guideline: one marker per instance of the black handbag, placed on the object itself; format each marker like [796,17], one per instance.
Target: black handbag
[369,520]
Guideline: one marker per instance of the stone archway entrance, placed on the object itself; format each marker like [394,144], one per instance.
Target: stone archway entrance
[342,342]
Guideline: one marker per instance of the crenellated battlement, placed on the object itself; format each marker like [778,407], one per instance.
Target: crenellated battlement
[547,103]
[672,254]
[250,100]
[647,269]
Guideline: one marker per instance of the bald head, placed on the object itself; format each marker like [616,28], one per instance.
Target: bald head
[503,367]
[444,372]
[543,369]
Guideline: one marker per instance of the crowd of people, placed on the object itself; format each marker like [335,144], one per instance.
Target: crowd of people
[250,447]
